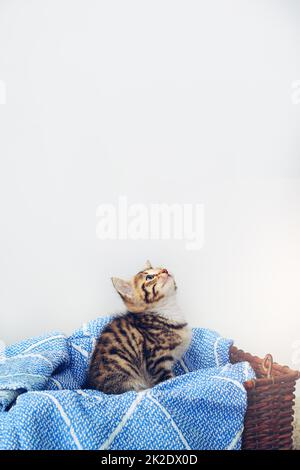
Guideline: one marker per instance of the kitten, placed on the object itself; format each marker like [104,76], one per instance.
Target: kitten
[137,350]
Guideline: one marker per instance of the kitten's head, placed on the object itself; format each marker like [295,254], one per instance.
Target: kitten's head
[147,290]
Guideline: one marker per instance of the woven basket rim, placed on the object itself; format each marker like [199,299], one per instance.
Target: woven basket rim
[283,373]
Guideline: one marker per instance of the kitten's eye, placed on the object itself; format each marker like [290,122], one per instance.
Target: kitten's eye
[149,277]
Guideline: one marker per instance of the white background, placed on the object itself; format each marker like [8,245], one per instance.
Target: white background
[160,101]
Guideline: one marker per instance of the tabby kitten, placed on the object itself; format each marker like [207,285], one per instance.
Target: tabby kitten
[137,350]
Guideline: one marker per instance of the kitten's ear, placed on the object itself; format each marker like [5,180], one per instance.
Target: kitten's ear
[124,288]
[148,265]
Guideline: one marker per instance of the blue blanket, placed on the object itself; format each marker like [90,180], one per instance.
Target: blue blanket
[43,405]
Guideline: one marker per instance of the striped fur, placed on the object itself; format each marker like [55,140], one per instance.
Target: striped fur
[137,350]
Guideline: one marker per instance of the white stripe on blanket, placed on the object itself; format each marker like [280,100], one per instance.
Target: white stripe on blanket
[246,370]
[124,420]
[174,425]
[91,397]
[22,373]
[225,367]
[59,385]
[38,343]
[227,379]
[85,329]
[216,350]
[18,356]
[183,365]
[81,350]
[235,439]
[65,418]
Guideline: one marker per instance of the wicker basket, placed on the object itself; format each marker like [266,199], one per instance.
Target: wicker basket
[269,418]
